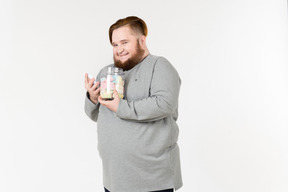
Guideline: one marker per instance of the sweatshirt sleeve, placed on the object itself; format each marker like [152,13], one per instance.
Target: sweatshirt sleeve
[163,99]
[91,109]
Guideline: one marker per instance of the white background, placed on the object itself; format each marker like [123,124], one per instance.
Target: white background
[230,54]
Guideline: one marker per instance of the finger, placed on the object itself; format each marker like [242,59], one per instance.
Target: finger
[104,102]
[101,101]
[95,85]
[90,83]
[98,90]
[115,93]
[86,78]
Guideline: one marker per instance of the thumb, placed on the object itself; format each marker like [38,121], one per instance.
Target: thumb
[115,93]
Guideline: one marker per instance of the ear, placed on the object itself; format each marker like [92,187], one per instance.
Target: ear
[142,40]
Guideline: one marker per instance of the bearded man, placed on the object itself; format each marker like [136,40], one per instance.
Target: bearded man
[137,135]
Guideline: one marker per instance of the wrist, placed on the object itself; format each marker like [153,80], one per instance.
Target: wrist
[94,100]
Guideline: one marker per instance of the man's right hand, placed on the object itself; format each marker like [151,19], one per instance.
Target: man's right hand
[93,91]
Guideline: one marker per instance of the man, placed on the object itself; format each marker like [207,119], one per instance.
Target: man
[137,135]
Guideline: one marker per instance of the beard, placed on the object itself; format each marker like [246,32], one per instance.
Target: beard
[132,61]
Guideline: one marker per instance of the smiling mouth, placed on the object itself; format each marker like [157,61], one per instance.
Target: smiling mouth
[123,56]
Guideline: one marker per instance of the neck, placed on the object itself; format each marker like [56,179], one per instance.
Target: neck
[146,53]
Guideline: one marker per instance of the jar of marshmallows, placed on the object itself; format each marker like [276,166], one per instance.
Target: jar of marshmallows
[111,81]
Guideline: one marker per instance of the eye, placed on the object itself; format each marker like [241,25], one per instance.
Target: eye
[114,45]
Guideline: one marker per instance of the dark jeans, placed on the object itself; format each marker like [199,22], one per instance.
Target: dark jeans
[166,190]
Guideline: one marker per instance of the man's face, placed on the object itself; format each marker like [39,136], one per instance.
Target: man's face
[127,51]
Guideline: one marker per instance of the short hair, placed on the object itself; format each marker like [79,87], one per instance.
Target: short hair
[135,23]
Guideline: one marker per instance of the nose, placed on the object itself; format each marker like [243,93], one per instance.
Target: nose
[120,49]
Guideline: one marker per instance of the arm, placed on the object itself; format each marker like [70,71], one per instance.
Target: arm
[163,99]
[91,109]
[91,101]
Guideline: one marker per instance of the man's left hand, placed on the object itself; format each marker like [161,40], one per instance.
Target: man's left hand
[113,104]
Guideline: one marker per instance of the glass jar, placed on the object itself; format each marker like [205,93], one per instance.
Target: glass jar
[107,86]
[111,81]
[119,82]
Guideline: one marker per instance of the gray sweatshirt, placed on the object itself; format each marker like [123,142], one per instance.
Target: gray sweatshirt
[138,144]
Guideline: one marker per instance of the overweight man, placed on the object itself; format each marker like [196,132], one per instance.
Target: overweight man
[137,135]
